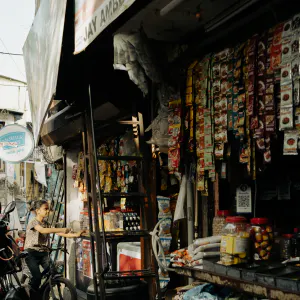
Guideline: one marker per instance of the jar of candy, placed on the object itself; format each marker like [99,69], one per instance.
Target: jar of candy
[286,246]
[262,237]
[219,222]
[235,241]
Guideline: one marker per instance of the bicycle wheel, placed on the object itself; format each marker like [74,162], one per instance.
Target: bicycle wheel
[63,290]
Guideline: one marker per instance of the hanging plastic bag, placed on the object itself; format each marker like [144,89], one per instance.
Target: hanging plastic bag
[179,210]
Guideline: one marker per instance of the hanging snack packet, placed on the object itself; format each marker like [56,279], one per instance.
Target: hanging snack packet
[286,73]
[290,142]
[296,93]
[166,243]
[287,29]
[286,95]
[163,204]
[286,118]
[286,50]
[297,118]
[165,227]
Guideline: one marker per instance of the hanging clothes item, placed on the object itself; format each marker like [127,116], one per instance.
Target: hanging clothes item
[160,125]
[179,210]
[132,54]
[40,173]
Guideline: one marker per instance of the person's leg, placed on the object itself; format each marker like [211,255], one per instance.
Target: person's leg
[33,262]
[45,261]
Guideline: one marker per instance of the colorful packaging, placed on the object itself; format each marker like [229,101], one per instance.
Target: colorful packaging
[290,142]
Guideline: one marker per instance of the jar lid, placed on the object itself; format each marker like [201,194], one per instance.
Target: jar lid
[223,213]
[259,221]
[236,220]
[287,236]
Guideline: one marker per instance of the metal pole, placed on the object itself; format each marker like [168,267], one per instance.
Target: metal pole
[86,171]
[65,209]
[95,179]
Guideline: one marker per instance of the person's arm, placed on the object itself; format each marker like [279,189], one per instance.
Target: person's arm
[44,230]
[72,235]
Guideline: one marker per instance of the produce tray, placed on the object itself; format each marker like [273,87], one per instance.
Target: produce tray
[268,277]
[289,282]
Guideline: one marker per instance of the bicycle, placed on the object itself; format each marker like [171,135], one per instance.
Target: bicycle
[53,280]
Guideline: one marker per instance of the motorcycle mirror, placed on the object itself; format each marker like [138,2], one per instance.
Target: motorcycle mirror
[9,208]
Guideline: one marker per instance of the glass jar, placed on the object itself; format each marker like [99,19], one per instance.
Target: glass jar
[219,222]
[286,246]
[235,241]
[262,237]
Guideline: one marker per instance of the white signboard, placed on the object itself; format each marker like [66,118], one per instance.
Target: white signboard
[93,16]
[243,199]
[16,143]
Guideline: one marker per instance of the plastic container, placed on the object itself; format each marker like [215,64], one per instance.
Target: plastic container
[262,237]
[235,241]
[286,246]
[219,222]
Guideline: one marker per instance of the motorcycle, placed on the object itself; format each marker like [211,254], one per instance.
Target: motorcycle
[10,260]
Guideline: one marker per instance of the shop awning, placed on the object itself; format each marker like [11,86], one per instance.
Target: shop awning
[42,51]
[93,16]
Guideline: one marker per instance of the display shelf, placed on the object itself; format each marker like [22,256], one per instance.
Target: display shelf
[128,158]
[129,274]
[126,236]
[251,287]
[124,195]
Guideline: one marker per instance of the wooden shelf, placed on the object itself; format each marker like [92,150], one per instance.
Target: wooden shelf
[251,287]
[128,158]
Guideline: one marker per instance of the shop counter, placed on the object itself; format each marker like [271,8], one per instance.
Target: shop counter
[228,276]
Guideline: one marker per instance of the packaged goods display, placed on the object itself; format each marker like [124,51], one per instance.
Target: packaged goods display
[262,236]
[165,237]
[235,241]
[286,246]
[249,91]
[195,253]
[219,222]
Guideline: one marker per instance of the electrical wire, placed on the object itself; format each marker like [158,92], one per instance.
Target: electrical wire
[18,86]
[12,57]
[14,54]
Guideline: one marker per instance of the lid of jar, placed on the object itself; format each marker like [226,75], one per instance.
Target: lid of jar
[287,236]
[223,213]
[259,221]
[236,219]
